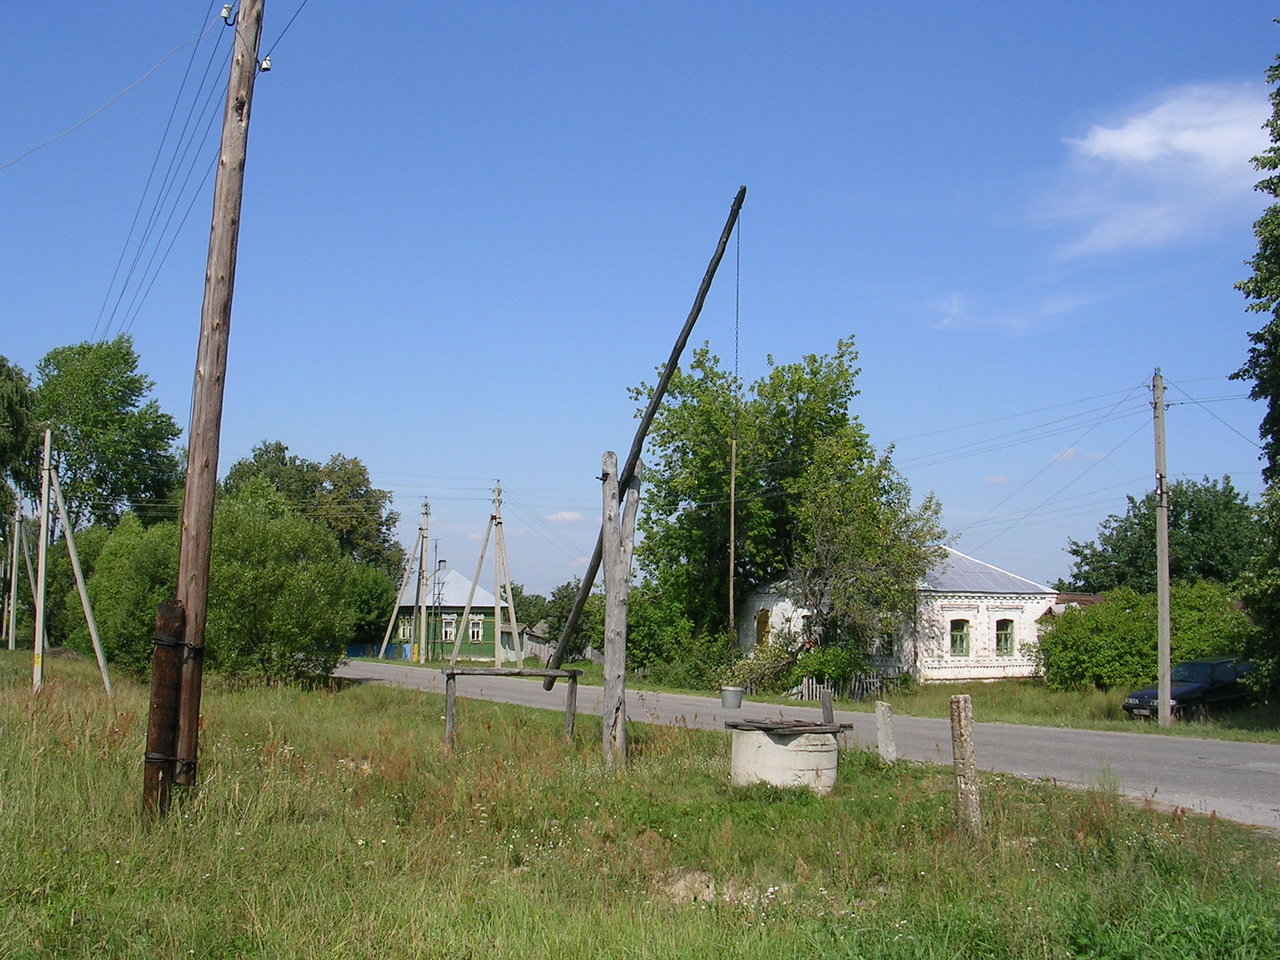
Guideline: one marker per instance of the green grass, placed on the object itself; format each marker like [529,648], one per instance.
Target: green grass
[1031,702]
[329,824]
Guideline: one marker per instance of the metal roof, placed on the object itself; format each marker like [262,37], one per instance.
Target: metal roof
[453,591]
[960,573]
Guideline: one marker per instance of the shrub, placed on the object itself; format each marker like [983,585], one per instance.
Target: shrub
[1113,643]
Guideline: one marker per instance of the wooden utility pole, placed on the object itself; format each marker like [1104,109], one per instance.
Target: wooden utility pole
[16,532]
[42,564]
[420,593]
[210,379]
[618,532]
[504,596]
[81,586]
[162,716]
[464,621]
[395,604]
[637,443]
[1164,684]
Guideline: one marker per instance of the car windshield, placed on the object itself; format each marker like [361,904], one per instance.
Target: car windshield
[1191,673]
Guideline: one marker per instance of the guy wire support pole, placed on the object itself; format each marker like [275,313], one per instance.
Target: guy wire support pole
[210,380]
[42,569]
[16,533]
[633,457]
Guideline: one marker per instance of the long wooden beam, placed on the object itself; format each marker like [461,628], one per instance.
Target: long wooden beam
[637,444]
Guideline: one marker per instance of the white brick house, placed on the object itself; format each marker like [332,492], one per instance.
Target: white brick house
[973,621]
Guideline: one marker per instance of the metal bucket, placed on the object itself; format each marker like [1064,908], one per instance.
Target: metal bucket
[731,697]
[784,759]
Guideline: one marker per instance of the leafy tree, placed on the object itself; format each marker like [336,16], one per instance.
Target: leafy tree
[807,479]
[1212,536]
[18,454]
[337,493]
[1262,290]
[372,594]
[1260,589]
[1113,643]
[861,547]
[590,629]
[531,608]
[64,615]
[113,447]
[134,572]
[279,606]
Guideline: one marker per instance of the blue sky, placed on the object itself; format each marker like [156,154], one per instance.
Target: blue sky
[469,228]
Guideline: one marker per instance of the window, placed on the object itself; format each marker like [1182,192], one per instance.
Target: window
[1004,638]
[762,627]
[447,633]
[959,638]
[477,629]
[406,628]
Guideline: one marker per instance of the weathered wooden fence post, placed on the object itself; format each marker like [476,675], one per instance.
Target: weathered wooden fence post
[450,709]
[968,811]
[828,708]
[884,733]
[618,540]
[570,707]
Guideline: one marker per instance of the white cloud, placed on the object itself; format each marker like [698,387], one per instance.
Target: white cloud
[959,312]
[1072,454]
[1164,171]
[565,516]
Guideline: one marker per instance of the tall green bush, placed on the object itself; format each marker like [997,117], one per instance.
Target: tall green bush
[1113,643]
[279,601]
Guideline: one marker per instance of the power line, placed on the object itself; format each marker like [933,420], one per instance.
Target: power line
[80,123]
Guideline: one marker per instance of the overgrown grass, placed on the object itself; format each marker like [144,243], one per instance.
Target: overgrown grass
[1027,701]
[328,824]
[1030,701]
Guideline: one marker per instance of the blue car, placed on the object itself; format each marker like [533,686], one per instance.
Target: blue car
[1198,688]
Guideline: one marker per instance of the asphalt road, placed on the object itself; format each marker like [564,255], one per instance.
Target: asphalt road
[1237,781]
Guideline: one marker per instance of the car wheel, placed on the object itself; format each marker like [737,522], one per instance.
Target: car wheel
[1197,711]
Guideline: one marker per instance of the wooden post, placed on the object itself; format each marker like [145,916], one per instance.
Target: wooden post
[37,660]
[210,379]
[571,707]
[646,419]
[162,717]
[884,733]
[420,592]
[968,812]
[80,584]
[16,530]
[828,708]
[1164,685]
[450,710]
[395,604]
[464,622]
[618,539]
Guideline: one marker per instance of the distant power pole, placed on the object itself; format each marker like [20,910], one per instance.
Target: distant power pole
[37,661]
[420,594]
[210,376]
[1165,685]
